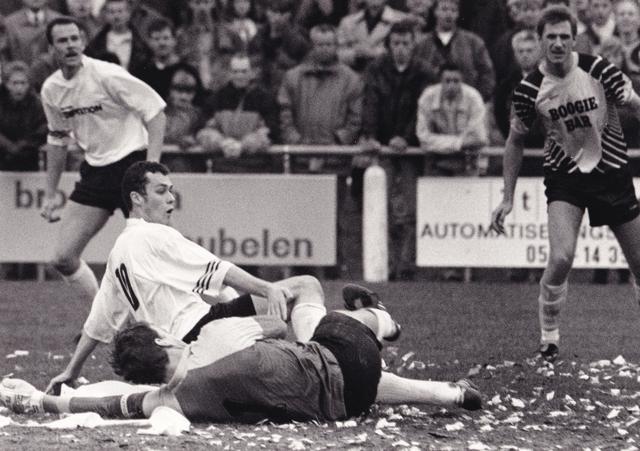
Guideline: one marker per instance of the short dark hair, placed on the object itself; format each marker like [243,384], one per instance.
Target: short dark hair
[135,179]
[547,3]
[63,20]
[281,6]
[449,66]
[137,358]
[406,26]
[554,15]
[160,25]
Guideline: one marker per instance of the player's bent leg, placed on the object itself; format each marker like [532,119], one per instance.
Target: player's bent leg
[564,221]
[306,308]
[393,389]
[79,224]
[378,321]
[628,236]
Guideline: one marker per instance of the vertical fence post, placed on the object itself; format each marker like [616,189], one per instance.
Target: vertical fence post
[375,248]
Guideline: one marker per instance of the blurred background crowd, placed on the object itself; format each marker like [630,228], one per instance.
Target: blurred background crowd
[241,75]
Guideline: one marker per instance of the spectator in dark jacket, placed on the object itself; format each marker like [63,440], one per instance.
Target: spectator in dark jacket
[207,43]
[119,37]
[164,60]
[279,45]
[393,84]
[242,117]
[23,126]
[502,54]
[450,44]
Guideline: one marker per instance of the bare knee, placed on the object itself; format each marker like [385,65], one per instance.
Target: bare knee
[65,264]
[561,262]
[306,286]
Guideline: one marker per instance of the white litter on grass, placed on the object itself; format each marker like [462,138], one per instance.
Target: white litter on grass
[166,421]
[346,424]
[550,395]
[619,361]
[569,400]
[614,413]
[457,426]
[5,421]
[383,423]
[20,353]
[558,413]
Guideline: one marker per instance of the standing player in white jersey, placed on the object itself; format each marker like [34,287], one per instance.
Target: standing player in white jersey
[585,159]
[116,119]
[155,274]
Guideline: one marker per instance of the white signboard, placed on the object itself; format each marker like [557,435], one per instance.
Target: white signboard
[247,219]
[453,216]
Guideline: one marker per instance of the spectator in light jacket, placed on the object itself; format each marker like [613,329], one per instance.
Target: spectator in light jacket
[361,35]
[451,125]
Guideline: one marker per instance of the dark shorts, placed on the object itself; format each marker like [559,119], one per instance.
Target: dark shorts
[357,351]
[610,198]
[240,306]
[100,186]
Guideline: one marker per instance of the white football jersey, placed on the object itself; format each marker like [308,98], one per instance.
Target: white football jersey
[103,107]
[154,274]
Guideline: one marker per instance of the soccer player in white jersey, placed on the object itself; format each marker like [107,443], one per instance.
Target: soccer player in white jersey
[240,370]
[585,158]
[155,274]
[116,119]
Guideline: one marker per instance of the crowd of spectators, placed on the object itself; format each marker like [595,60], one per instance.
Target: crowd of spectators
[240,75]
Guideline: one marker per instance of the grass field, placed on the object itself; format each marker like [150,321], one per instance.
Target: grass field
[488,331]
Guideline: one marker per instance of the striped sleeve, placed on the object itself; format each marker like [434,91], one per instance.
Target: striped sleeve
[617,86]
[183,264]
[523,106]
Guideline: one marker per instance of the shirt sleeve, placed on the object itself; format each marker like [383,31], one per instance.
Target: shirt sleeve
[185,265]
[59,128]
[617,85]
[108,312]
[133,93]
[523,107]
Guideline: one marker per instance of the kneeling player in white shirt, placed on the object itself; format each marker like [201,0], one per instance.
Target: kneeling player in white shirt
[155,274]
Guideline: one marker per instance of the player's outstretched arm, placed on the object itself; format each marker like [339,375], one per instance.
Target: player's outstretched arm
[56,159]
[83,350]
[155,128]
[512,161]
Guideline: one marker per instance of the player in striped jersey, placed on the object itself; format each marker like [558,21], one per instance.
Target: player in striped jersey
[585,158]
[155,274]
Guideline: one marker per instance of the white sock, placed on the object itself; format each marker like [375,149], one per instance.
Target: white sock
[393,389]
[83,282]
[305,318]
[550,302]
[386,325]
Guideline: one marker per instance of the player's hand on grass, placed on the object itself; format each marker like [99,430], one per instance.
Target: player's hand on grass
[56,383]
[499,214]
[49,208]
[277,299]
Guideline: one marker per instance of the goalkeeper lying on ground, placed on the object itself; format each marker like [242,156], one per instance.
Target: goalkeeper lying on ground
[241,370]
